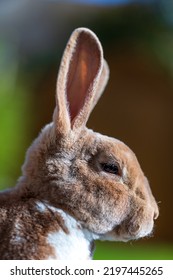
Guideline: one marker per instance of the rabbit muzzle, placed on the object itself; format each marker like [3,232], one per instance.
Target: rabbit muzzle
[139,223]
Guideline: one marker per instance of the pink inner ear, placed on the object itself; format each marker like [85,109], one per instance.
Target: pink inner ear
[83,69]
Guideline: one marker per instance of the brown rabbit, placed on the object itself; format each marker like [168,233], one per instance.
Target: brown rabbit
[76,185]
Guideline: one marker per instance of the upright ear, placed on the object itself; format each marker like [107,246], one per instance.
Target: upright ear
[82,77]
[101,83]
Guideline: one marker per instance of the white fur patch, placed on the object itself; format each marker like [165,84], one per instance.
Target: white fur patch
[74,245]
[16,238]
[41,207]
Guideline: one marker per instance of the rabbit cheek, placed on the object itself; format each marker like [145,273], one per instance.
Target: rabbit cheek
[113,208]
[121,205]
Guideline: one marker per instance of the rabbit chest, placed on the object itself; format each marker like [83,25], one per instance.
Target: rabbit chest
[40,231]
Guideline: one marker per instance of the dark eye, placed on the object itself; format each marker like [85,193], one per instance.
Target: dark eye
[111,168]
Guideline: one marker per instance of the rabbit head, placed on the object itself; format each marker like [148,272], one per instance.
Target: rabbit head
[94,178]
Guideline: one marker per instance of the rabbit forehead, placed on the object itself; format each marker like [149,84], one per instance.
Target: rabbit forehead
[109,146]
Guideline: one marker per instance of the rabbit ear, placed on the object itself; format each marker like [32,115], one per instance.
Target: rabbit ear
[102,83]
[80,80]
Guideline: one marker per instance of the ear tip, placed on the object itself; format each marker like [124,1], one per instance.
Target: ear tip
[89,35]
[84,30]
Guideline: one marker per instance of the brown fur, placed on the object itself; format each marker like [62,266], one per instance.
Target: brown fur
[63,169]
[23,230]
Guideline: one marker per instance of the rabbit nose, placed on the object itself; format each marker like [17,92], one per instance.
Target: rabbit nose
[156,213]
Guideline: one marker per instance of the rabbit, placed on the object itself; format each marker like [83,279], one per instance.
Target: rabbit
[77,185]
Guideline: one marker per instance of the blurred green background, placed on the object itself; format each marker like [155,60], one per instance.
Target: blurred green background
[137,107]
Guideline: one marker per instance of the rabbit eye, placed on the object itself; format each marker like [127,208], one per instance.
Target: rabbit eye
[110,168]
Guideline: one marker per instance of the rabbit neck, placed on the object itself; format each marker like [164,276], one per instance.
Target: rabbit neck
[76,243]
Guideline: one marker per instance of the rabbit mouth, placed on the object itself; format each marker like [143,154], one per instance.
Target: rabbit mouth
[135,229]
[129,231]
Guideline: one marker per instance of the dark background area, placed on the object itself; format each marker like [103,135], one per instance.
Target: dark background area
[137,106]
